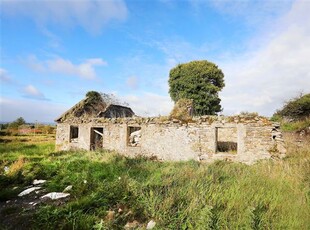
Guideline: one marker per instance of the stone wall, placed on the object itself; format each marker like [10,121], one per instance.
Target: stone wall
[255,138]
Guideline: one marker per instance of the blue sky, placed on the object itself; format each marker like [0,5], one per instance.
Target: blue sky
[53,52]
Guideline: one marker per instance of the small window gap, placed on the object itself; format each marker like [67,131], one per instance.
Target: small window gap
[226,140]
[74,134]
[134,136]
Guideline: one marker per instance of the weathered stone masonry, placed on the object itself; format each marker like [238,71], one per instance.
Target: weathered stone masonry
[208,138]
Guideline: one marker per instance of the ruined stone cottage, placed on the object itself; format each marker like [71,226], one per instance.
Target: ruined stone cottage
[93,125]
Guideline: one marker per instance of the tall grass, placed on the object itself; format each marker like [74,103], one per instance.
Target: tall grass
[176,195]
[293,125]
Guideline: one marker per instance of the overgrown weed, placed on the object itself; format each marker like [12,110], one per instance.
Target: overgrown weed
[16,167]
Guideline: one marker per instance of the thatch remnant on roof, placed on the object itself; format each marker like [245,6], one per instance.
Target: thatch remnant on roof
[95,105]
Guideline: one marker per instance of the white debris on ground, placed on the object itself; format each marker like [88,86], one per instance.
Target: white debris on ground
[36,182]
[55,195]
[29,190]
[6,169]
[68,188]
[151,224]
[33,203]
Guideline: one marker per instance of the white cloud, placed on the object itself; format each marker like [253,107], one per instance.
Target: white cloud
[4,76]
[92,15]
[28,91]
[152,75]
[132,82]
[275,66]
[262,79]
[95,61]
[30,110]
[149,104]
[54,41]
[32,92]
[34,64]
[3,72]
[84,70]
[271,69]
[178,50]
[253,12]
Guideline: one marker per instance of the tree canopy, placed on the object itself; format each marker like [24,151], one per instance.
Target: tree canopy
[200,81]
[18,122]
[296,108]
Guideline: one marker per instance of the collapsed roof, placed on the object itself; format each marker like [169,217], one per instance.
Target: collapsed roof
[95,107]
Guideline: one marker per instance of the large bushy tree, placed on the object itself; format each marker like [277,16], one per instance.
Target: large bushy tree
[200,81]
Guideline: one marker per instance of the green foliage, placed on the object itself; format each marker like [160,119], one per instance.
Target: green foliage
[200,81]
[295,114]
[19,121]
[295,125]
[296,108]
[4,126]
[176,195]
[92,98]
[46,129]
[93,95]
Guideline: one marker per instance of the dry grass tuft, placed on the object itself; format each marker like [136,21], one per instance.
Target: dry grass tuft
[16,166]
[182,110]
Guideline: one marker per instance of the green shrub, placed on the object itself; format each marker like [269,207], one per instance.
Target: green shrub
[296,108]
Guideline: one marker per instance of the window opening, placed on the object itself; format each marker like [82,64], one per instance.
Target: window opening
[226,140]
[74,134]
[134,136]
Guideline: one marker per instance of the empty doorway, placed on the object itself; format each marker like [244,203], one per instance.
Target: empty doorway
[96,138]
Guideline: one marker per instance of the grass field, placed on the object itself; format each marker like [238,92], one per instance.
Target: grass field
[110,191]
